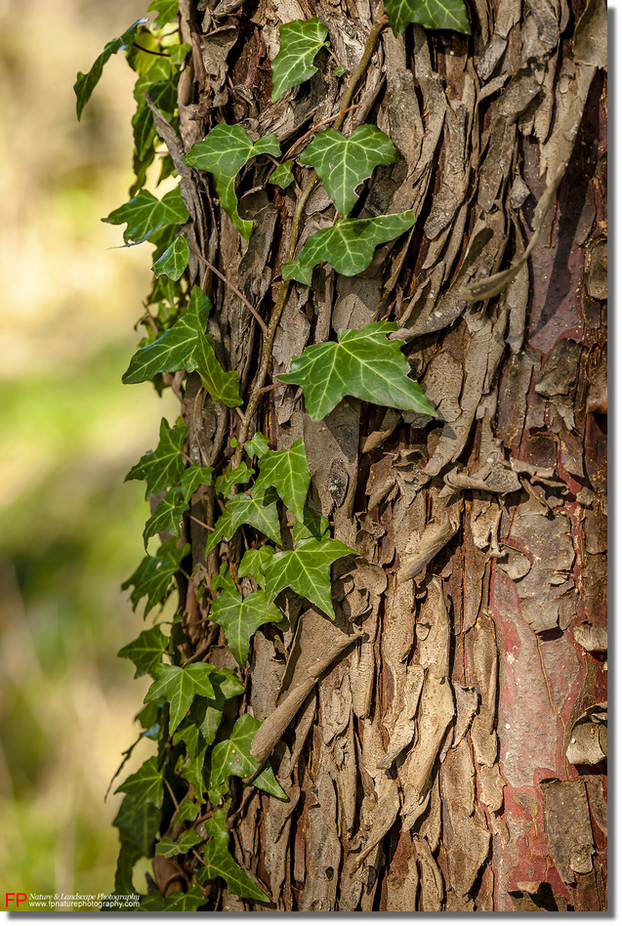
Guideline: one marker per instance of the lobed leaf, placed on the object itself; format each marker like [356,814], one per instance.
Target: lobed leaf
[257,446]
[306,570]
[138,823]
[174,260]
[179,687]
[169,847]
[187,810]
[86,83]
[300,42]
[431,14]
[146,785]
[219,863]
[167,516]
[155,574]
[144,215]
[167,11]
[252,563]
[223,153]
[363,364]
[240,618]
[238,476]
[221,385]
[348,246]
[146,651]
[162,467]
[178,902]
[283,176]
[288,472]
[192,478]
[233,757]
[342,163]
[207,712]
[258,510]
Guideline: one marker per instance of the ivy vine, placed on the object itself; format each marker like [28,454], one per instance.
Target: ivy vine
[190,704]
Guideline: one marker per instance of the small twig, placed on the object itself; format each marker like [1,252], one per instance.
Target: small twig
[233,287]
[269,388]
[376,29]
[202,523]
[160,54]
[171,793]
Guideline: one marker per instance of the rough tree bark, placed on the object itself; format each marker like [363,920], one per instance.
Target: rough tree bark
[451,756]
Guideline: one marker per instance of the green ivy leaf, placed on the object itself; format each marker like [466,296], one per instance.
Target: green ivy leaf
[222,386]
[240,618]
[145,651]
[306,570]
[363,364]
[155,574]
[288,472]
[140,60]
[151,903]
[257,446]
[175,349]
[164,95]
[138,823]
[146,785]
[312,526]
[167,12]
[144,215]
[192,478]
[179,53]
[168,847]
[162,467]
[207,712]
[233,757]
[178,902]
[259,510]
[86,83]
[192,771]
[174,260]
[223,153]
[188,810]
[431,14]
[300,42]
[191,736]
[238,476]
[222,528]
[219,863]
[343,163]
[348,246]
[167,516]
[179,687]
[252,563]
[283,176]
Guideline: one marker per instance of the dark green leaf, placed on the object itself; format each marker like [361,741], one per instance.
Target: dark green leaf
[219,863]
[238,476]
[167,12]
[178,902]
[252,563]
[164,96]
[138,823]
[162,467]
[348,246]
[86,83]
[190,734]
[223,387]
[240,618]
[144,214]
[146,785]
[129,854]
[167,516]
[192,771]
[188,810]
[169,847]
[194,477]
[363,364]
[146,650]
[306,570]
[222,528]
[223,153]
[179,686]
[207,712]
[174,260]
[233,757]
[152,903]
[154,576]
[258,510]
[283,175]
[431,14]
[288,472]
[300,42]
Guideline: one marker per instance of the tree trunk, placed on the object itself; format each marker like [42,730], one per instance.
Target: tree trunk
[452,755]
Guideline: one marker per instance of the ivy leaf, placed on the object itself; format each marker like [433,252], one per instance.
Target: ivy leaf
[174,260]
[258,510]
[192,478]
[178,54]
[240,618]
[222,386]
[192,771]
[238,476]
[431,14]
[188,810]
[283,176]
[168,847]
[146,785]
[306,570]
[348,246]
[178,902]
[164,95]
[311,526]
[219,863]
[223,153]
[155,574]
[207,712]
[190,734]
[179,686]
[86,83]
[252,563]
[144,214]
[222,528]
[288,472]
[167,12]
[257,446]
[233,757]
[145,651]
[363,364]
[300,42]
[343,163]
[163,466]
[138,823]
[175,349]
[167,516]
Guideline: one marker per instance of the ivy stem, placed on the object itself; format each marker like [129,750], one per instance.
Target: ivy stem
[348,93]
[233,287]
[314,129]
[149,51]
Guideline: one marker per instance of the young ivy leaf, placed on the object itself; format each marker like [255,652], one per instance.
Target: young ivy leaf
[348,246]
[258,510]
[233,757]
[253,561]
[154,576]
[167,516]
[144,215]
[222,386]
[168,847]
[231,477]
[223,153]
[146,651]
[207,712]
[363,364]
[194,477]
[146,785]
[188,809]
[179,686]
[167,11]
[343,163]
[288,472]
[86,83]
[219,863]
[163,466]
[174,260]
[257,446]
[240,618]
[431,14]
[306,570]
[300,42]
[283,175]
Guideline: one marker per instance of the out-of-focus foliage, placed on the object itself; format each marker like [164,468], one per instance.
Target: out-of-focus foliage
[69,528]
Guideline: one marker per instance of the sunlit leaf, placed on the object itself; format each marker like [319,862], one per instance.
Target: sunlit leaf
[258,510]
[223,153]
[288,472]
[167,516]
[306,570]
[146,650]
[252,563]
[174,260]
[154,576]
[221,385]
[146,785]
[179,686]
[348,246]
[300,42]
[219,863]
[167,11]
[431,14]
[283,175]
[364,364]
[240,618]
[86,83]
[233,757]
[169,847]
[257,446]
[342,163]
[193,477]
[144,214]
[162,467]
[179,53]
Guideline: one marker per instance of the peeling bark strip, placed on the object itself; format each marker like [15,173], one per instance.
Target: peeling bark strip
[443,742]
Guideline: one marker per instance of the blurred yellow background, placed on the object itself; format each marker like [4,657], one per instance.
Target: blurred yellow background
[70,530]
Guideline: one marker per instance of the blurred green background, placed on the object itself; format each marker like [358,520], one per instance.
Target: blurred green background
[70,530]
